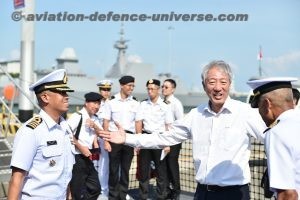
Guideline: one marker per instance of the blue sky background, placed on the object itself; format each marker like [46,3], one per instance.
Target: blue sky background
[275,25]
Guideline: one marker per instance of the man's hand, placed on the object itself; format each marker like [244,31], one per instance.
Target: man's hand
[287,194]
[85,151]
[107,146]
[117,137]
[167,150]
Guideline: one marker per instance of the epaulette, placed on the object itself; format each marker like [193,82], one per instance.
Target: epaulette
[167,101]
[112,97]
[145,100]
[135,98]
[272,125]
[35,122]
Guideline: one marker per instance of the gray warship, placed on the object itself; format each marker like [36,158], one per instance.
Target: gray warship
[141,71]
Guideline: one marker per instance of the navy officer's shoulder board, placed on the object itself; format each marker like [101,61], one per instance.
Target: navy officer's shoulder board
[134,98]
[35,121]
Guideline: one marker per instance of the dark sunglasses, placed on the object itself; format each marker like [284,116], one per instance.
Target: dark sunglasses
[105,89]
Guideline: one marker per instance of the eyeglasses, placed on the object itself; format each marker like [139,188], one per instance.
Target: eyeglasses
[104,89]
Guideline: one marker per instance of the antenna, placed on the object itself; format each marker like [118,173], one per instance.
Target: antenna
[259,57]
[170,28]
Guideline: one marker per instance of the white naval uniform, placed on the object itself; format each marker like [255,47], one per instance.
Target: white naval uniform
[47,154]
[283,152]
[122,111]
[221,141]
[86,135]
[176,107]
[154,115]
[103,162]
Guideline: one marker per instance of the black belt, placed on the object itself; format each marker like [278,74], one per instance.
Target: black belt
[217,188]
[130,132]
[146,132]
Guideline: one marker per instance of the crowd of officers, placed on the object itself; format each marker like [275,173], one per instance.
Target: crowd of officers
[101,169]
[44,166]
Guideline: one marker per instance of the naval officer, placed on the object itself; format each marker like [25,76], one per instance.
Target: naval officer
[274,98]
[85,182]
[121,109]
[43,158]
[173,178]
[154,115]
[103,162]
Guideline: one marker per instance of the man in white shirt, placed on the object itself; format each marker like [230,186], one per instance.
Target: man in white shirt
[154,115]
[43,155]
[220,132]
[121,109]
[274,98]
[102,164]
[173,176]
[85,182]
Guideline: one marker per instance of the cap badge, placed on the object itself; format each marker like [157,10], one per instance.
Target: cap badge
[65,79]
[151,81]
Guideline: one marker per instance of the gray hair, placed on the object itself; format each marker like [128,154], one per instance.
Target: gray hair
[280,97]
[220,64]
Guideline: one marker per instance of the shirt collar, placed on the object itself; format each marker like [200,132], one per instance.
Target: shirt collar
[48,120]
[228,106]
[118,97]
[159,101]
[170,97]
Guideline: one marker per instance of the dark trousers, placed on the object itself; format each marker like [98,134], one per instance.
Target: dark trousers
[85,182]
[120,159]
[173,179]
[240,192]
[145,158]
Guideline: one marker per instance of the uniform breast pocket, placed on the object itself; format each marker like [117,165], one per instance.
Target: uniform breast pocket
[53,156]
[115,112]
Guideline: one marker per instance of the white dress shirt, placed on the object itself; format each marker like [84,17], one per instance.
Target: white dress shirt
[176,107]
[221,141]
[122,111]
[155,116]
[46,153]
[283,152]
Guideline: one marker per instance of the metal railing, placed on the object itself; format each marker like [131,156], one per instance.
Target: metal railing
[257,165]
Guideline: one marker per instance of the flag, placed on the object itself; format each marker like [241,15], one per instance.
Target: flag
[259,56]
[19,4]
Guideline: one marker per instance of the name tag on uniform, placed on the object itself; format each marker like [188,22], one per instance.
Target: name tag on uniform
[49,143]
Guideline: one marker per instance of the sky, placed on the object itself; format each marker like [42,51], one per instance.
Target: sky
[184,49]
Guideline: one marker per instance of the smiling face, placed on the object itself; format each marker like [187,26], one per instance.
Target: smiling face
[105,92]
[55,103]
[92,107]
[217,85]
[127,89]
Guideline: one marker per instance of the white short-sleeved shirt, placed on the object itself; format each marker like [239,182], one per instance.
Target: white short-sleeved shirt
[176,107]
[122,111]
[155,116]
[283,151]
[221,141]
[44,150]
[86,134]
